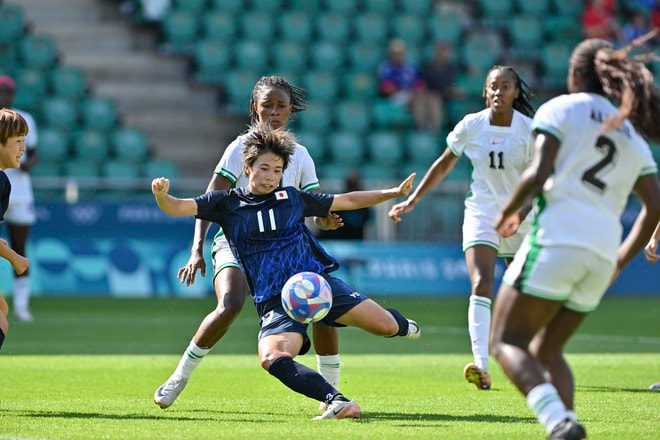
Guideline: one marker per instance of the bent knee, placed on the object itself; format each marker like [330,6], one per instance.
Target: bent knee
[268,358]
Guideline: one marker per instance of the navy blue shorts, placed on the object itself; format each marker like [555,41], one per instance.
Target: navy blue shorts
[274,319]
[2,337]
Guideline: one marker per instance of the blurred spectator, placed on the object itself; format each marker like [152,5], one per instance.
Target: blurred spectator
[438,76]
[147,11]
[399,80]
[599,21]
[355,222]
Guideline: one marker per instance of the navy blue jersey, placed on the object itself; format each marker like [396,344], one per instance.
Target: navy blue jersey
[5,190]
[267,234]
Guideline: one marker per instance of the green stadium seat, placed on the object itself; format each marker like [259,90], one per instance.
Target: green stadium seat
[479,52]
[129,144]
[572,8]
[9,57]
[372,27]
[181,30]
[359,86]
[38,51]
[235,6]
[12,23]
[364,56]
[496,13]
[124,174]
[554,63]
[458,108]
[68,82]
[212,59]
[423,147]
[238,88]
[333,26]
[353,116]
[326,55]
[347,147]
[385,147]
[526,33]
[316,118]
[31,87]
[562,29]
[380,6]
[250,55]
[409,28]
[388,114]
[320,85]
[46,169]
[289,56]
[295,26]
[160,168]
[194,6]
[59,113]
[315,144]
[378,175]
[343,6]
[334,170]
[91,145]
[420,7]
[272,6]
[81,168]
[537,7]
[446,26]
[305,5]
[219,25]
[53,145]
[99,113]
[257,26]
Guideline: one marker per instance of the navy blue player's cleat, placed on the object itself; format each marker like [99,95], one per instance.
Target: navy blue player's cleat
[568,429]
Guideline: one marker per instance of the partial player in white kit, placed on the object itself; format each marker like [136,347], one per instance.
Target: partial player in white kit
[20,215]
[273,101]
[496,142]
[589,156]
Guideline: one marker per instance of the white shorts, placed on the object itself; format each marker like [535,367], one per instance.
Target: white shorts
[576,276]
[479,229]
[20,213]
[222,255]
[21,201]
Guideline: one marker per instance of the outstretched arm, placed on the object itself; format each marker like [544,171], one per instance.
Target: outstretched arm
[171,205]
[651,249]
[364,199]
[435,174]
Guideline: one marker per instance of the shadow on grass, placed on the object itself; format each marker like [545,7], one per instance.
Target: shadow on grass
[428,417]
[606,389]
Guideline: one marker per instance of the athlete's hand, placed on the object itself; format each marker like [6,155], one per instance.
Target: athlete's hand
[160,186]
[187,273]
[406,186]
[507,226]
[400,208]
[330,222]
[651,251]
[20,264]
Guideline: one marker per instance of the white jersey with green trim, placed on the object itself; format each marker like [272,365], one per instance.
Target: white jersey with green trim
[498,154]
[300,173]
[594,173]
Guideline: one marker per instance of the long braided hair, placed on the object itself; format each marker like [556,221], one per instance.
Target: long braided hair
[297,95]
[626,81]
[523,103]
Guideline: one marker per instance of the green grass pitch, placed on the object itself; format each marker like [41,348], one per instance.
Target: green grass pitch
[87,369]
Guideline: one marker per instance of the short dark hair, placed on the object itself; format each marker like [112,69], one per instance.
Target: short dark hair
[261,138]
[12,124]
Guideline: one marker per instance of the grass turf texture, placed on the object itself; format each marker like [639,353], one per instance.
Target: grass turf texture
[88,367]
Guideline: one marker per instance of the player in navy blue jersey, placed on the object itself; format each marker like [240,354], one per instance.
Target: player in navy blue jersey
[264,224]
[13,129]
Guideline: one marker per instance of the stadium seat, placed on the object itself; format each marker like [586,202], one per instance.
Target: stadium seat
[554,63]
[250,55]
[380,6]
[446,26]
[562,29]
[99,113]
[422,146]
[46,169]
[359,86]
[378,175]
[289,56]
[317,118]
[124,174]
[333,171]
[53,145]
[180,29]
[409,28]
[333,26]
[353,116]
[364,56]
[326,55]
[212,57]
[371,27]
[219,25]
[38,51]
[130,145]
[343,6]
[305,5]
[59,113]
[12,23]
[315,144]
[479,51]
[295,26]
[257,26]
[31,82]
[538,8]
[80,168]
[234,6]
[194,6]
[320,85]
[526,32]
[238,87]
[572,8]
[9,57]
[387,114]
[347,147]
[420,7]
[91,145]
[272,6]
[496,12]
[385,147]
[160,168]
[458,108]
[68,82]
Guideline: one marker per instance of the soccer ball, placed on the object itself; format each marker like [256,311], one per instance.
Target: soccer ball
[307,297]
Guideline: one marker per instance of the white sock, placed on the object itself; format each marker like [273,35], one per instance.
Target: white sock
[572,415]
[328,367]
[21,294]
[190,359]
[546,404]
[479,329]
